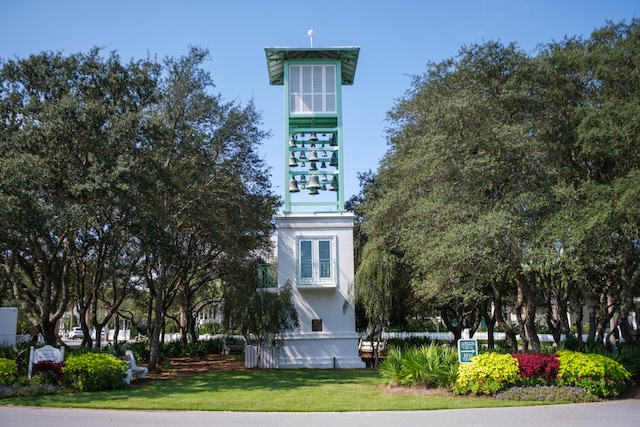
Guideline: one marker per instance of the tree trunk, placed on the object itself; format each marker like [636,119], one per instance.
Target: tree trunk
[510,334]
[154,357]
[527,303]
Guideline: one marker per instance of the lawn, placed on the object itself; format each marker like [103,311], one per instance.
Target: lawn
[266,391]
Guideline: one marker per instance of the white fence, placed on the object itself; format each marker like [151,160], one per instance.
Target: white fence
[261,357]
[448,336]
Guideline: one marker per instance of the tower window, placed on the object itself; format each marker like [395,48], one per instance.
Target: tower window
[316,262]
[312,89]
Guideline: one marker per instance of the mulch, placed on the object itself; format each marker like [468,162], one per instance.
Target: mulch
[185,367]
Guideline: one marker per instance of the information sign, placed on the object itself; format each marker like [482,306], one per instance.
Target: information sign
[466,350]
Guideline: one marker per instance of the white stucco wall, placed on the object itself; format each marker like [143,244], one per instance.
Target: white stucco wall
[337,344]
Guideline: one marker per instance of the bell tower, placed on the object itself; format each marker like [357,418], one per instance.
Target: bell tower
[313,80]
[315,233]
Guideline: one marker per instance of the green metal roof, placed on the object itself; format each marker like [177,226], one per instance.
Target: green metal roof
[276,56]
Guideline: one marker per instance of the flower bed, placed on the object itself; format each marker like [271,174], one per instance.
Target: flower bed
[490,373]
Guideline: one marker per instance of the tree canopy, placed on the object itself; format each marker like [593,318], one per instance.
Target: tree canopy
[512,178]
[117,177]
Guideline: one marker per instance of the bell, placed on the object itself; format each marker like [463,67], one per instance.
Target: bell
[313,167]
[313,157]
[313,137]
[314,192]
[303,181]
[293,186]
[314,183]
[292,161]
[334,184]
[303,157]
[292,142]
[334,160]
[323,165]
[332,141]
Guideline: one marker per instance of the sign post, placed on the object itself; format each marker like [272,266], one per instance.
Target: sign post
[467,348]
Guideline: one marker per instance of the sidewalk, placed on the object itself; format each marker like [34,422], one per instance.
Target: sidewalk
[623,413]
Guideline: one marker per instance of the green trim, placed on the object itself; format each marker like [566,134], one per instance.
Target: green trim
[345,61]
[277,56]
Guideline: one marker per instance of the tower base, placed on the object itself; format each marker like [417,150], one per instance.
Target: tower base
[320,350]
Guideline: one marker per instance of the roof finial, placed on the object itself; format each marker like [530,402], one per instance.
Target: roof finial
[310,34]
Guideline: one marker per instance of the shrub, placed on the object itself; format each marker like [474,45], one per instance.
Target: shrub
[598,374]
[548,393]
[8,371]
[488,373]
[536,368]
[195,349]
[19,353]
[48,372]
[424,366]
[629,357]
[213,346]
[390,368]
[28,390]
[94,371]
[405,343]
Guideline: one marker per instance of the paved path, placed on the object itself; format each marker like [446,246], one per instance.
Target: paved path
[624,413]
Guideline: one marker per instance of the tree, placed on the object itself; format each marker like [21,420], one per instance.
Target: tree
[512,176]
[461,158]
[67,148]
[212,198]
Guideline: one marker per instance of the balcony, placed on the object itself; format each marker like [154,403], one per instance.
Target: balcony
[321,274]
[267,276]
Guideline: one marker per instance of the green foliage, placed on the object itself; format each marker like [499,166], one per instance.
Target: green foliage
[177,349]
[629,357]
[598,374]
[94,371]
[209,328]
[424,366]
[548,393]
[19,353]
[269,313]
[498,160]
[391,367]
[8,371]
[404,343]
[487,374]
[213,346]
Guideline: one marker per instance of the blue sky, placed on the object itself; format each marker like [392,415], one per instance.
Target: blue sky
[396,39]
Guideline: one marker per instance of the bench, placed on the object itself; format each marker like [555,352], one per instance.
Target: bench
[44,354]
[366,349]
[233,345]
[133,369]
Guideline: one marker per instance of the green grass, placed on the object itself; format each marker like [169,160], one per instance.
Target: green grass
[265,391]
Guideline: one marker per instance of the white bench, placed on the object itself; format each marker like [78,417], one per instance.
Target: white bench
[366,346]
[44,354]
[133,369]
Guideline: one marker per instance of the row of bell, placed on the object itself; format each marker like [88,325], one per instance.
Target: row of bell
[313,158]
[313,185]
[313,139]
